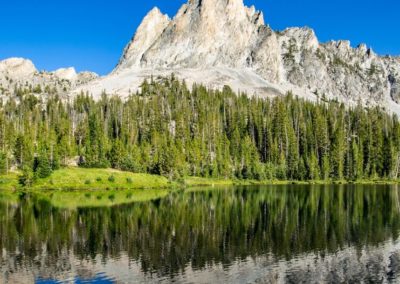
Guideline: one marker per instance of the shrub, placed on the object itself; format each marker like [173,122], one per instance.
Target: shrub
[98,179]
[111,197]
[129,180]
[27,177]
[87,181]
[111,178]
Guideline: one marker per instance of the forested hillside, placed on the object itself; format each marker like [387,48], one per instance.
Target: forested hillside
[174,130]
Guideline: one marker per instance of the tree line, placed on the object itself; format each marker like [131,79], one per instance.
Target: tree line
[168,129]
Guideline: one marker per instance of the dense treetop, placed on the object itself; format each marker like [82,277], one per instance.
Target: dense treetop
[172,130]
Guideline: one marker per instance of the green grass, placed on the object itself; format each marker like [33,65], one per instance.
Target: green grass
[89,179]
[99,198]
[108,179]
[9,182]
[198,181]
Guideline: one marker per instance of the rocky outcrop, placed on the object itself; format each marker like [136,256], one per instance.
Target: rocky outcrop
[66,73]
[22,73]
[231,41]
[17,67]
[223,42]
[148,32]
[392,65]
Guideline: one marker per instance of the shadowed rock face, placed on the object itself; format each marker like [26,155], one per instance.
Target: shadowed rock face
[226,34]
[394,88]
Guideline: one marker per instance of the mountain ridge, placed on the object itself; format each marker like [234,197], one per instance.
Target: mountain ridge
[224,42]
[20,73]
[221,42]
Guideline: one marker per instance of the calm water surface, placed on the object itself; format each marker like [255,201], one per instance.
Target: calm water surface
[258,234]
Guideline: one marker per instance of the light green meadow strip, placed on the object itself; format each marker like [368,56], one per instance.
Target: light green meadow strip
[91,179]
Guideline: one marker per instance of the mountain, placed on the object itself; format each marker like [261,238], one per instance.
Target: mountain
[21,73]
[223,42]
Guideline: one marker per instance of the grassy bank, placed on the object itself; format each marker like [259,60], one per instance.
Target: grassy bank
[110,179]
[89,179]
[198,181]
[72,188]
[9,182]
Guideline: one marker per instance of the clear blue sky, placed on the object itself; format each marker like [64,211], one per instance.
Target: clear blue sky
[90,35]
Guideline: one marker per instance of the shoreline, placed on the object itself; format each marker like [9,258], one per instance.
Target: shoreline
[199,182]
[83,179]
[73,188]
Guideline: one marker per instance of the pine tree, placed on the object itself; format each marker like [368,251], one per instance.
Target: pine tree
[174,131]
[3,163]
[41,165]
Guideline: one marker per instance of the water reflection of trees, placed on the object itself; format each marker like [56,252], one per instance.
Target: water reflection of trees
[201,228]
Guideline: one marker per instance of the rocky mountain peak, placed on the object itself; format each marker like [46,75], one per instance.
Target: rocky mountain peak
[149,30]
[223,42]
[229,8]
[196,37]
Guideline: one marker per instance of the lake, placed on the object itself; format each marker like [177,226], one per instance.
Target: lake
[243,234]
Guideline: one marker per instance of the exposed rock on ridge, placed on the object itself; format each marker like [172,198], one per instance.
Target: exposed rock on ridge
[223,42]
[150,29]
[22,73]
[218,42]
[198,36]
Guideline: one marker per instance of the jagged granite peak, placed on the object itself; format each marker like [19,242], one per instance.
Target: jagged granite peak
[149,30]
[197,36]
[223,42]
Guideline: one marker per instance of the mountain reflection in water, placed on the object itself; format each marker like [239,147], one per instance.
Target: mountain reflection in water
[263,234]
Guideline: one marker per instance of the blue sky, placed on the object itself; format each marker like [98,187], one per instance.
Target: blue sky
[90,35]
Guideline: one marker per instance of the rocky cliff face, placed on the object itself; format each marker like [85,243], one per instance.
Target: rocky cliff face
[203,33]
[223,42]
[218,42]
